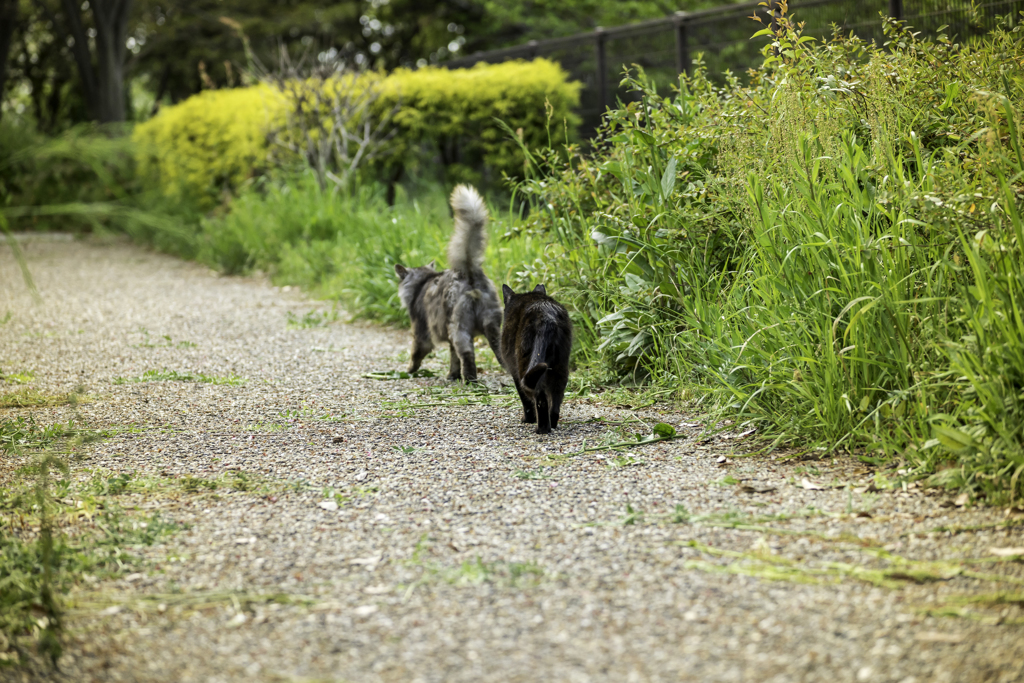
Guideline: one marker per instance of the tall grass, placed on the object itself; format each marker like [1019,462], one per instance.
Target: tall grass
[345,246]
[831,254]
[84,181]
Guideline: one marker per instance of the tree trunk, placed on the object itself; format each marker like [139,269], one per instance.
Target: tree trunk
[104,83]
[8,18]
[111,32]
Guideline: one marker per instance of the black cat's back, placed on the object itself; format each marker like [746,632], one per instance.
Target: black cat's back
[536,344]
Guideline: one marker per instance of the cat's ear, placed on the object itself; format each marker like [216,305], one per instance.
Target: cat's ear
[401,271]
[507,294]
[432,265]
[539,289]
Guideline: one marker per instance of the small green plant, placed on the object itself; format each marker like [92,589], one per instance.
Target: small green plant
[624,461]
[399,374]
[530,475]
[311,319]
[18,377]
[31,398]
[241,481]
[265,427]
[475,572]
[330,493]
[38,567]
[365,491]
[680,515]
[22,433]
[165,342]
[633,516]
[175,376]
[191,484]
[102,485]
[308,412]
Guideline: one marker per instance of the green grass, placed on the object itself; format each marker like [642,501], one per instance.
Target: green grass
[831,254]
[175,376]
[54,531]
[33,398]
[164,342]
[344,247]
[57,527]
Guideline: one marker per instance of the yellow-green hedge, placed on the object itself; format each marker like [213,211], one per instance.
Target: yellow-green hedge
[456,110]
[210,143]
[213,141]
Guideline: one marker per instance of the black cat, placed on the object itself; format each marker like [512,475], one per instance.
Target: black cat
[536,339]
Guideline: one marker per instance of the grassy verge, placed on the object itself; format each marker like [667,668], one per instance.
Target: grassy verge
[831,255]
[344,247]
[56,533]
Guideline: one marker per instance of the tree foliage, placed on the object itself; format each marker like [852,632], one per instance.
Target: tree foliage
[172,49]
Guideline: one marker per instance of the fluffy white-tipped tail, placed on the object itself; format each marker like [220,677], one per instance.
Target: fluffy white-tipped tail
[466,250]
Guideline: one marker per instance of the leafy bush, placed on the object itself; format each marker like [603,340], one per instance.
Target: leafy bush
[453,112]
[834,250]
[209,144]
[215,141]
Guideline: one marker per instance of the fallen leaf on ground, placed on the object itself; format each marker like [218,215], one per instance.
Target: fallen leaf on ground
[810,485]
[328,505]
[1006,552]
[365,610]
[962,500]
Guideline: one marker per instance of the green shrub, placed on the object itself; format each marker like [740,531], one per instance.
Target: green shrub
[214,142]
[209,144]
[833,251]
[453,112]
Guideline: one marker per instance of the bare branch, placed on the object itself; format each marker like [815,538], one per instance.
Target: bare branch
[335,122]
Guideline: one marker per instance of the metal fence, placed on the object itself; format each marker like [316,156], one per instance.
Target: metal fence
[667,47]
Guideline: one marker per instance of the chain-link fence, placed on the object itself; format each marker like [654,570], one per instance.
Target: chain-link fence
[667,47]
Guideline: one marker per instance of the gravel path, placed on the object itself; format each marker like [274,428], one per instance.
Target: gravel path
[410,530]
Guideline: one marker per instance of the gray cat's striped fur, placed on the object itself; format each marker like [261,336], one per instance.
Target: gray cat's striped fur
[457,304]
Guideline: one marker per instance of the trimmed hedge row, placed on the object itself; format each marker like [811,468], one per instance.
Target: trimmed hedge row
[211,143]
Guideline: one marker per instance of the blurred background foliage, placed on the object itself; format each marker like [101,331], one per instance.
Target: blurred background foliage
[175,48]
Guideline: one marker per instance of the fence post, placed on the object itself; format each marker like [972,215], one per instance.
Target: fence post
[682,43]
[896,9]
[602,69]
[532,51]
